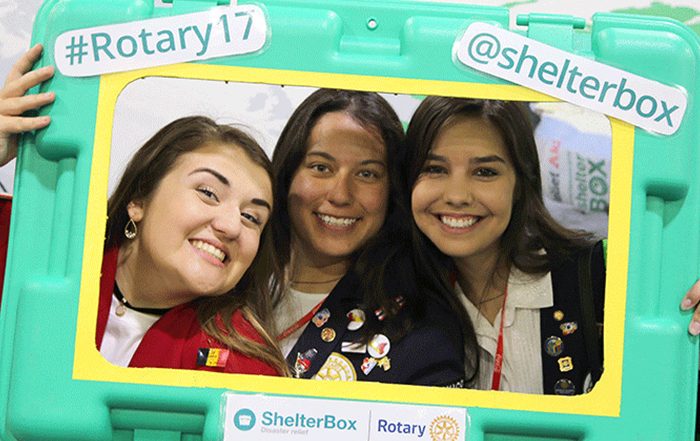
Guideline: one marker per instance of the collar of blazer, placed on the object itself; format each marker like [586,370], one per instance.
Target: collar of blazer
[344,297]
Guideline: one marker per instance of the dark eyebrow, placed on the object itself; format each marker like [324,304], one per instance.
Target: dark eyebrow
[330,157]
[322,154]
[485,159]
[374,161]
[262,203]
[477,160]
[433,157]
[214,173]
[222,178]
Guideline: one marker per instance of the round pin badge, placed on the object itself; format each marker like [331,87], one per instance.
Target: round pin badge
[356,318]
[379,346]
[328,334]
[554,346]
[564,387]
[558,315]
[336,368]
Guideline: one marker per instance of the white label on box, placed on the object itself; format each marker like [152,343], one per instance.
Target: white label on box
[217,32]
[645,103]
[264,417]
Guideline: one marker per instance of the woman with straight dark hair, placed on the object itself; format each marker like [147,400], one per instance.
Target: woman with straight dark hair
[533,289]
[347,304]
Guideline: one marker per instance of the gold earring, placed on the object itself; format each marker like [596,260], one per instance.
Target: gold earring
[130,229]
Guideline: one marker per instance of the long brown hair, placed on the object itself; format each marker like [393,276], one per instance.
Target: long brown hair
[146,169]
[531,227]
[368,109]
[385,261]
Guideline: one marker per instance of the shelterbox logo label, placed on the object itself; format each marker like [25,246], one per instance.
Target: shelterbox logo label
[645,103]
[274,418]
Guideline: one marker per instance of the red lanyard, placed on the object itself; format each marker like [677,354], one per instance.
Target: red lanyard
[498,359]
[301,322]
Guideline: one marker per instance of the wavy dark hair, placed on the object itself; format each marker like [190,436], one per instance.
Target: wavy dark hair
[146,169]
[376,262]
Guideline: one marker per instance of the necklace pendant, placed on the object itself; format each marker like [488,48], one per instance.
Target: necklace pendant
[121,310]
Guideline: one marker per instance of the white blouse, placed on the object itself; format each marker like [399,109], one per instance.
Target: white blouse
[124,334]
[522,342]
[294,306]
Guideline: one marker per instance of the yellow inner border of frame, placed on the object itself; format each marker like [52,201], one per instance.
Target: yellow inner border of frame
[605,398]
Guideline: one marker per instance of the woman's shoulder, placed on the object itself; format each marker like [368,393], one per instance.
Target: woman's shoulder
[572,254]
[244,327]
[244,364]
[178,341]
[433,348]
[444,320]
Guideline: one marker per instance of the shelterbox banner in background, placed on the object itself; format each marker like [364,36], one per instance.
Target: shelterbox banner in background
[230,62]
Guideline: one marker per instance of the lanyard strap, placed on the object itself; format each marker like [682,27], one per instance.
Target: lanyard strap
[301,322]
[498,359]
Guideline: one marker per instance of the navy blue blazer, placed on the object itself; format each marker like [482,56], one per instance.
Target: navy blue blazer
[429,354]
[571,362]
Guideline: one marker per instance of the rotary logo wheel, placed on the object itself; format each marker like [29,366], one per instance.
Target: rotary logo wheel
[444,428]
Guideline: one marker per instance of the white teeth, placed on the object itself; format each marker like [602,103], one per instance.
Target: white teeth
[337,221]
[461,222]
[208,248]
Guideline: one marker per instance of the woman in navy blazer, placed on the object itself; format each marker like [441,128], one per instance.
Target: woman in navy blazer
[533,288]
[347,303]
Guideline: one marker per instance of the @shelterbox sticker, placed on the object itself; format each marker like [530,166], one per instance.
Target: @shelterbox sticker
[645,103]
[217,32]
[263,417]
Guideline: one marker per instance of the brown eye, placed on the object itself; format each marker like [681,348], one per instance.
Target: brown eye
[486,172]
[321,168]
[433,170]
[369,175]
[208,193]
[252,218]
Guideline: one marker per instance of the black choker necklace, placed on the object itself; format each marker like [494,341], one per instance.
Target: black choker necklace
[123,304]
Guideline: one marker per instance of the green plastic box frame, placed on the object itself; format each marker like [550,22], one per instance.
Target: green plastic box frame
[53,383]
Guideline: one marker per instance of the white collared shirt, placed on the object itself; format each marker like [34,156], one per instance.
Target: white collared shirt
[522,349]
[293,307]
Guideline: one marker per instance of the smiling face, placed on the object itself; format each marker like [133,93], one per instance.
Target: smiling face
[339,193]
[199,230]
[463,198]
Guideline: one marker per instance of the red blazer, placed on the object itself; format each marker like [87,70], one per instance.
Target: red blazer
[176,338]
